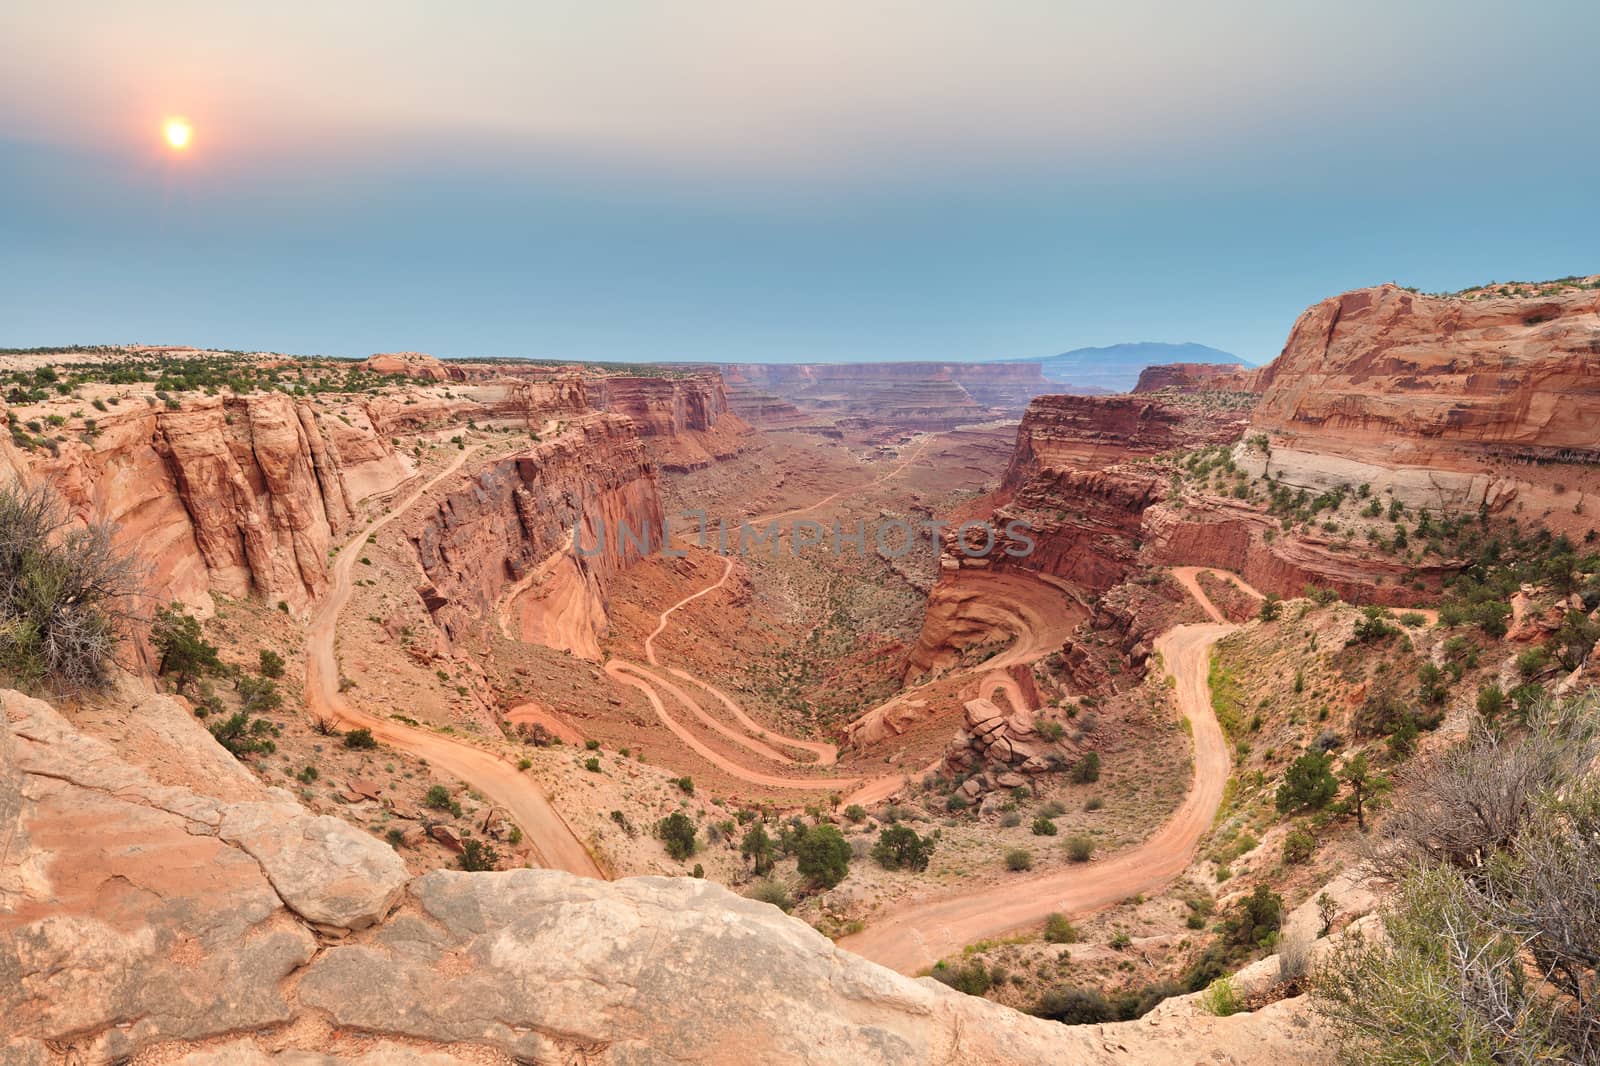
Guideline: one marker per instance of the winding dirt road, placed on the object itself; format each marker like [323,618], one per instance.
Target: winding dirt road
[912,938]
[553,841]
[756,738]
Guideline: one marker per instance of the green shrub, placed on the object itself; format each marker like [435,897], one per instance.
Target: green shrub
[677,835]
[1298,846]
[971,977]
[1043,827]
[1058,930]
[477,856]
[774,893]
[1087,769]
[1222,998]
[1080,847]
[271,663]
[1308,783]
[899,847]
[184,649]
[824,855]
[360,739]
[1019,859]
[438,797]
[1074,1006]
[592,764]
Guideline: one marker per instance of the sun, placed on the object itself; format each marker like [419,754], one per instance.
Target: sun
[178,131]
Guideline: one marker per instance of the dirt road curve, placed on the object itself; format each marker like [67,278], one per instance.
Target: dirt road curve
[912,938]
[554,843]
[755,737]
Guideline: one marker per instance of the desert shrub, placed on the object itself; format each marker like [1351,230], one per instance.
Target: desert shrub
[1308,783]
[66,595]
[360,740]
[1298,846]
[1043,827]
[1010,820]
[592,764]
[677,835]
[970,977]
[1222,998]
[899,847]
[823,855]
[855,813]
[1074,1006]
[1080,847]
[477,855]
[758,847]
[271,663]
[1087,770]
[1256,917]
[1058,930]
[686,785]
[1018,859]
[1093,803]
[184,650]
[438,797]
[1271,607]
[1053,809]
[244,736]
[772,892]
[1491,701]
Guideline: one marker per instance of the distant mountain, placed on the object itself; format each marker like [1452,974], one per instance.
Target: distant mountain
[1116,367]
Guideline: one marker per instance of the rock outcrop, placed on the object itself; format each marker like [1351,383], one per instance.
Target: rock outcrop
[152,920]
[413,365]
[1451,403]
[1091,432]
[1198,377]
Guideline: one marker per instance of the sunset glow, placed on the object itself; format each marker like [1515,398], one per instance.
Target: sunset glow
[178,132]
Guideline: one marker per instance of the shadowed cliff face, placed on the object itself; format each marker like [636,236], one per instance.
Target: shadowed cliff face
[511,532]
[1451,402]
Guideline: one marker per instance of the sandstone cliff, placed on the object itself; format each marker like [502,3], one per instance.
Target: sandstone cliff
[1199,377]
[514,525]
[1450,402]
[157,920]
[236,495]
[685,420]
[413,365]
[1091,432]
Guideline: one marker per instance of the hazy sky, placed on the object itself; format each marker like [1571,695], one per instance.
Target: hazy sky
[687,179]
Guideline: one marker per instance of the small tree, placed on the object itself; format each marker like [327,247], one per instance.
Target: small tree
[1308,784]
[824,856]
[271,663]
[899,847]
[1356,775]
[677,835]
[183,647]
[757,847]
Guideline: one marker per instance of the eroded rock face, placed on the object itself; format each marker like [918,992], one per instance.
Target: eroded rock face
[236,495]
[1093,432]
[685,421]
[1198,377]
[413,365]
[515,524]
[141,918]
[1451,402]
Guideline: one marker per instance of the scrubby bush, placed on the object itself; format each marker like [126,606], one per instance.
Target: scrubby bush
[1087,769]
[1308,783]
[1298,846]
[899,847]
[677,834]
[271,663]
[1075,1006]
[757,846]
[184,650]
[772,892]
[824,856]
[1080,847]
[1043,827]
[360,740]
[1058,930]
[66,595]
[970,977]
[477,856]
[1019,859]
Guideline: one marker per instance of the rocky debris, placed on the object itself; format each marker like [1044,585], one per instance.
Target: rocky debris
[140,919]
[447,835]
[1006,747]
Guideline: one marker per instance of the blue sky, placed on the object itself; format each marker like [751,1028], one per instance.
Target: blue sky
[776,181]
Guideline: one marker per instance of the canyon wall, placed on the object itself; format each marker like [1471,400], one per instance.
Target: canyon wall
[505,542]
[685,420]
[235,495]
[1452,403]
[1092,432]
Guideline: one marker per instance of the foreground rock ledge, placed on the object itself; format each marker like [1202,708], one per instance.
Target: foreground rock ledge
[138,918]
